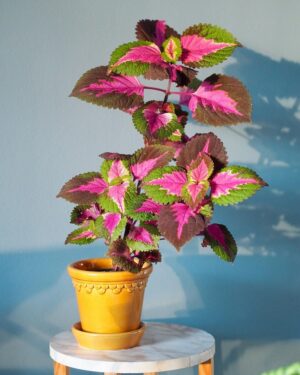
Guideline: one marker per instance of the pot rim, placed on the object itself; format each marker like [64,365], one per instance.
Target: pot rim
[88,275]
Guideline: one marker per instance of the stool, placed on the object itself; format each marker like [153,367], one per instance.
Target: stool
[164,347]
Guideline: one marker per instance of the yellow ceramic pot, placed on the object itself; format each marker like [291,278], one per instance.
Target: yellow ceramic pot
[108,302]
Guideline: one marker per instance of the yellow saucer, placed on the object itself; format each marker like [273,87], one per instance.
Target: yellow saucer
[108,341]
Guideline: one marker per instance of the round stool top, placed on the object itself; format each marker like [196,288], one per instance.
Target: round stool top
[164,347]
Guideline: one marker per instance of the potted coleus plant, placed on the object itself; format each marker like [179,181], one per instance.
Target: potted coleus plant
[168,188]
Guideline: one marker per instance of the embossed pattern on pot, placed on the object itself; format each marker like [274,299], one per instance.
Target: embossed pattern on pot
[103,288]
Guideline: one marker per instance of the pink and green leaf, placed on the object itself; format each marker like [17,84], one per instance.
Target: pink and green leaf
[149,158]
[150,206]
[171,49]
[115,171]
[134,58]
[137,209]
[188,90]
[112,91]
[220,100]
[206,208]
[218,237]
[141,239]
[205,45]
[207,143]
[84,188]
[83,213]
[178,223]
[116,197]
[81,236]
[197,184]
[200,169]
[140,207]
[164,185]
[117,194]
[154,31]
[194,192]
[234,184]
[151,227]
[176,136]
[152,120]
[113,225]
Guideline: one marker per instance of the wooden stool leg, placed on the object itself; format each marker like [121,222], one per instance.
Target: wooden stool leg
[150,373]
[60,369]
[206,368]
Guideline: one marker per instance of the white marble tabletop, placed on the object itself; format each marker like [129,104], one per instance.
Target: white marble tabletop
[164,347]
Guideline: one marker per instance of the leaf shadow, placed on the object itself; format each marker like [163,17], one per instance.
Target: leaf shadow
[256,301]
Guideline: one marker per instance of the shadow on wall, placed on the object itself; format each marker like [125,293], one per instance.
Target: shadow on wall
[274,86]
[256,302]
[252,302]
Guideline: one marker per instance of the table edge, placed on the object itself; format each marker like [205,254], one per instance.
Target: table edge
[128,367]
[161,365]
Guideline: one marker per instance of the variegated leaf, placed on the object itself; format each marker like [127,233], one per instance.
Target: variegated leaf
[220,100]
[205,45]
[82,236]
[142,208]
[83,213]
[178,223]
[171,49]
[149,158]
[112,91]
[206,208]
[234,184]
[115,171]
[155,119]
[134,58]
[151,226]
[207,143]
[164,185]
[197,184]
[116,196]
[140,239]
[218,237]
[113,225]
[83,188]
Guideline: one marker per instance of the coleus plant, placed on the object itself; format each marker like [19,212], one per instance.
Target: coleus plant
[168,188]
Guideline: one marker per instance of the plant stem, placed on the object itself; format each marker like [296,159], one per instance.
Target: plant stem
[180,93]
[154,88]
[127,229]
[139,187]
[167,91]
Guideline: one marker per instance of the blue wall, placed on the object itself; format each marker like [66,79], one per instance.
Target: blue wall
[253,306]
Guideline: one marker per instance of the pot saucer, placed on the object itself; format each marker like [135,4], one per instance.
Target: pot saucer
[108,341]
